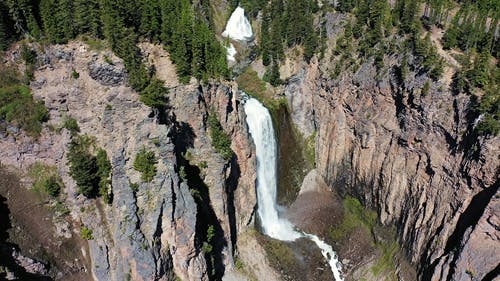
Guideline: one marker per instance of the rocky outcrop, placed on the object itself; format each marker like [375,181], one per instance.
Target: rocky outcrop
[413,157]
[107,74]
[30,265]
[151,233]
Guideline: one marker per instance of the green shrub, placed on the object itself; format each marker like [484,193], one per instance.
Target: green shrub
[94,44]
[75,74]
[71,125]
[104,173]
[145,162]
[45,179]
[182,173]
[108,60]
[61,209]
[238,263]
[86,233]
[220,140]
[18,108]
[426,88]
[134,186]
[52,186]
[203,165]
[155,141]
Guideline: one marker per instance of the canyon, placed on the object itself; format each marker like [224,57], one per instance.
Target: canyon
[424,180]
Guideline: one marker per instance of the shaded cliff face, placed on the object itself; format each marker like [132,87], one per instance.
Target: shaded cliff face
[413,158]
[152,233]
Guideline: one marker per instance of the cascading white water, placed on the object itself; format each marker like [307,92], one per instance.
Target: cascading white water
[238,27]
[261,128]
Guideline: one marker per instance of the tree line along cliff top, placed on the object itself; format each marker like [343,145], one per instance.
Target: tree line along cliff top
[372,29]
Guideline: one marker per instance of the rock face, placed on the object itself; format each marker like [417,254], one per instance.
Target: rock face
[30,265]
[149,233]
[410,156]
[105,73]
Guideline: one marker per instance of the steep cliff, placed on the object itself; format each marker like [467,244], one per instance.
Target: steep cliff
[412,156]
[156,230]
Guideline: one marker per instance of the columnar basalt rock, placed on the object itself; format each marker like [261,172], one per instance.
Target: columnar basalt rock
[410,156]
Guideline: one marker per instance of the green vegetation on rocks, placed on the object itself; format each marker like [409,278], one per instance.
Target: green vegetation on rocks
[250,83]
[355,215]
[45,179]
[71,125]
[279,253]
[86,233]
[220,140]
[17,105]
[178,25]
[310,149]
[91,172]
[145,162]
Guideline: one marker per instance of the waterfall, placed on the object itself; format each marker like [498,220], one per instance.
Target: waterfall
[261,128]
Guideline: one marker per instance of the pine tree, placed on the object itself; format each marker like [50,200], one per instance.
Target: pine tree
[310,44]
[168,10]
[265,37]
[150,19]
[113,25]
[181,42]
[345,5]
[154,95]
[378,20]
[87,17]
[22,13]
[200,50]
[6,31]
[274,75]
[64,15]
[479,74]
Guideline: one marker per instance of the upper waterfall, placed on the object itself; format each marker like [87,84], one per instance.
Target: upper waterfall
[238,27]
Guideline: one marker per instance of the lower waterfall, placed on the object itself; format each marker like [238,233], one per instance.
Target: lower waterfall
[261,128]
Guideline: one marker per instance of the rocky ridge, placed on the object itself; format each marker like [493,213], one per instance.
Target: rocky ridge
[151,233]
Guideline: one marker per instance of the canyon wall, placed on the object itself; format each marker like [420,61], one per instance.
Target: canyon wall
[151,233]
[411,156]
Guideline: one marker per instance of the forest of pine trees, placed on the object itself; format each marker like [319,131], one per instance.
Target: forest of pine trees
[474,30]
[287,24]
[186,29]
[185,34]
